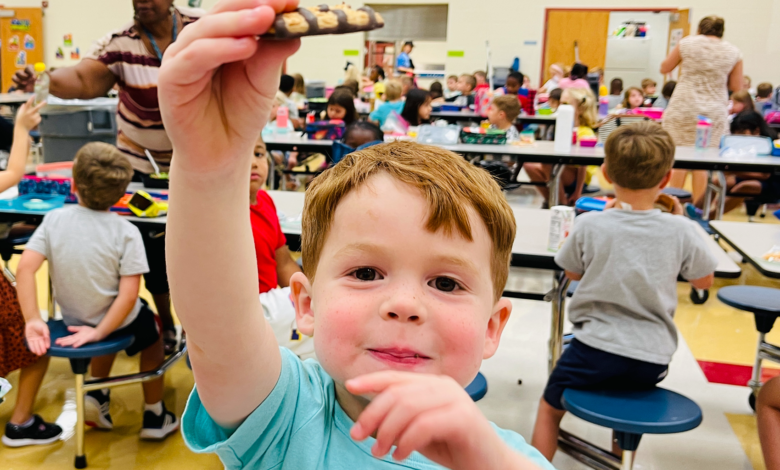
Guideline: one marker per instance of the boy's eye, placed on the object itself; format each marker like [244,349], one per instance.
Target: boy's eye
[445,284]
[365,274]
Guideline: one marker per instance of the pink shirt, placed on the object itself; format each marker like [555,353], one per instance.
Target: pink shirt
[565,83]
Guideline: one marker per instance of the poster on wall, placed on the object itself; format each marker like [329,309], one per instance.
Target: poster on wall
[59,54]
[29,42]
[67,40]
[675,36]
[13,43]
[21,59]
[75,54]
[20,25]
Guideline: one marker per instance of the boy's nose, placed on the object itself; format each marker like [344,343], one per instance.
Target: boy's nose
[405,304]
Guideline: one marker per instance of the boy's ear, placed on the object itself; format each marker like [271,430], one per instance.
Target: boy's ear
[604,172]
[300,290]
[665,181]
[501,311]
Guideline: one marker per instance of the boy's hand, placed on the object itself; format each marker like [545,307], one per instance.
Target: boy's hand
[37,333]
[429,414]
[678,208]
[217,83]
[28,117]
[82,335]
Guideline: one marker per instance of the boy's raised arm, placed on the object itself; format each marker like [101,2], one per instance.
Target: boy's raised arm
[215,88]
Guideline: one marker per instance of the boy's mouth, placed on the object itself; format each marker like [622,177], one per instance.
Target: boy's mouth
[399,356]
[254,176]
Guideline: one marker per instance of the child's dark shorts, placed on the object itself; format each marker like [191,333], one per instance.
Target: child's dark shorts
[582,367]
[145,328]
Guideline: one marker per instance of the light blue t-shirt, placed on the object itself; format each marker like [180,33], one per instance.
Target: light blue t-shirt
[381,113]
[300,425]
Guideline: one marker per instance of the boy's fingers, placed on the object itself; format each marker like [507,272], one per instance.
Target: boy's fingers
[205,55]
[39,106]
[264,68]
[372,416]
[232,5]
[376,382]
[231,24]
[423,430]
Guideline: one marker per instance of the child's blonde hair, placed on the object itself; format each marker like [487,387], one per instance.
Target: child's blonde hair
[509,104]
[448,183]
[393,90]
[585,102]
[638,156]
[101,174]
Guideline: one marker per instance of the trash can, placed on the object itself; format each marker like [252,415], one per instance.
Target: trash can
[67,125]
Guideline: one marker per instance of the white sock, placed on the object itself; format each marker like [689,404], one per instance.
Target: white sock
[27,423]
[156,408]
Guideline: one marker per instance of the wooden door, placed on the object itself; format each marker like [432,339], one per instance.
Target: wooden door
[22,42]
[679,27]
[587,27]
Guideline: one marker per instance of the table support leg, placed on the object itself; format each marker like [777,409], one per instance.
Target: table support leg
[628,460]
[560,288]
[708,196]
[721,208]
[755,380]
[81,459]
[51,299]
[554,184]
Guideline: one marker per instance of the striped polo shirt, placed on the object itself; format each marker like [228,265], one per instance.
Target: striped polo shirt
[138,117]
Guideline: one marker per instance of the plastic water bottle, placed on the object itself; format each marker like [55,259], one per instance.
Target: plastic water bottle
[41,83]
[564,127]
[603,106]
[703,131]
[282,118]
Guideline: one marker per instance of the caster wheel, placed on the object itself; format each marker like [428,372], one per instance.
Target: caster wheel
[752,401]
[698,298]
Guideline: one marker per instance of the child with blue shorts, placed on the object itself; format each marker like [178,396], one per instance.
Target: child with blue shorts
[627,260]
[406,252]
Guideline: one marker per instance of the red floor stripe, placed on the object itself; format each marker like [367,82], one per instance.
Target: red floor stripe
[733,374]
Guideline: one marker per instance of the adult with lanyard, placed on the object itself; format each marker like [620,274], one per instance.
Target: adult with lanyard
[404,64]
[129,58]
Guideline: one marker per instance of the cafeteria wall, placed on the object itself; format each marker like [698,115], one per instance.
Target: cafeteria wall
[514,29]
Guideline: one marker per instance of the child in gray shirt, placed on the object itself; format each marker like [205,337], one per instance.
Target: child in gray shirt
[96,260]
[627,260]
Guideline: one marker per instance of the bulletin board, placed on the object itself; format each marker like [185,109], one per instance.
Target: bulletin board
[21,39]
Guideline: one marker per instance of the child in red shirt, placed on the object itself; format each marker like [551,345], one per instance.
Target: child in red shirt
[274,263]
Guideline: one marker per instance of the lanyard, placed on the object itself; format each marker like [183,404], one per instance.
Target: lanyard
[154,43]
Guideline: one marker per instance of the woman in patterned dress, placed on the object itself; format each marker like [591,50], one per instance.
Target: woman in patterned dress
[710,67]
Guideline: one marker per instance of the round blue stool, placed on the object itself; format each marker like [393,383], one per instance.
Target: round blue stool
[79,363]
[632,413]
[764,304]
[477,388]
[676,192]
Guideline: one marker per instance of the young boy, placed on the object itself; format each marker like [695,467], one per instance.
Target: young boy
[502,115]
[466,85]
[452,87]
[274,263]
[763,97]
[648,87]
[623,307]
[96,260]
[405,300]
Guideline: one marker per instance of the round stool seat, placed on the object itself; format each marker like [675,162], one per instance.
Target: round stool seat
[477,388]
[58,329]
[654,411]
[751,298]
[676,192]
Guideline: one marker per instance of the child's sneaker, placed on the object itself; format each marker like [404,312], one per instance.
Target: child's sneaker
[158,427]
[693,212]
[96,410]
[38,433]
